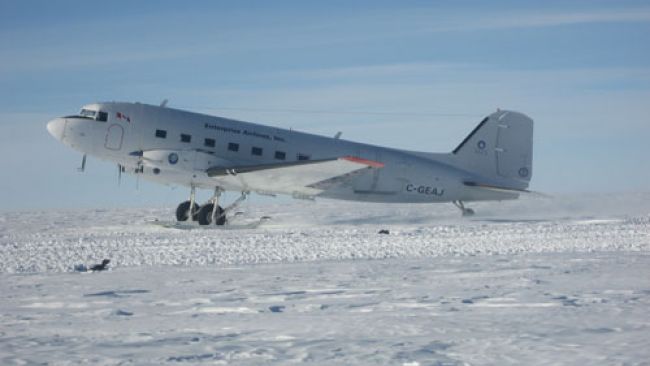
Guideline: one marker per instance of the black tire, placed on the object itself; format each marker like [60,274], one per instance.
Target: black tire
[205,215]
[183,211]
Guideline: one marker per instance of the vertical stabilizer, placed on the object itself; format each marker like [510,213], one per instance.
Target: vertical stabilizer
[499,149]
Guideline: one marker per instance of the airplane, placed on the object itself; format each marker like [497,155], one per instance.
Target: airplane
[176,147]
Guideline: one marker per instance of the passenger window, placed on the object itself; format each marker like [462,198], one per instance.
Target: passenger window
[161,134]
[102,116]
[233,146]
[209,142]
[185,138]
[303,157]
[256,151]
[280,155]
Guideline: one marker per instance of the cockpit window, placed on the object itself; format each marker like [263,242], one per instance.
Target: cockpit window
[102,116]
[87,113]
[90,114]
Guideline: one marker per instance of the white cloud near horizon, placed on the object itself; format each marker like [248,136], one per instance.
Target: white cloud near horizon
[519,19]
[23,50]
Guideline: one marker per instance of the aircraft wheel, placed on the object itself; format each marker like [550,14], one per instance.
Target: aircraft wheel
[183,211]
[205,215]
[468,212]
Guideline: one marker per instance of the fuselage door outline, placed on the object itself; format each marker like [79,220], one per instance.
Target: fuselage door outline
[114,137]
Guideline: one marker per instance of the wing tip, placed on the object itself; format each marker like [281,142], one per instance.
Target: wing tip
[370,163]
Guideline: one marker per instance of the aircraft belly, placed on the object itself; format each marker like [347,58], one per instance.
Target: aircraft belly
[393,186]
[186,178]
[378,197]
[479,194]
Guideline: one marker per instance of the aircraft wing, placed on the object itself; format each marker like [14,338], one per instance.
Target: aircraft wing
[297,178]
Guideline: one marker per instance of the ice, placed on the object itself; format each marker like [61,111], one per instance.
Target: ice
[553,281]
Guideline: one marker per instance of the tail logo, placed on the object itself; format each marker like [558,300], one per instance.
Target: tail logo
[481,145]
[523,172]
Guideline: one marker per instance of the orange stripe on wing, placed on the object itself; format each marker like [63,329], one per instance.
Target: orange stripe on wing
[372,163]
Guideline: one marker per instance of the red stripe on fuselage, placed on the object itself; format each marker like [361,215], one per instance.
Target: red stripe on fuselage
[372,163]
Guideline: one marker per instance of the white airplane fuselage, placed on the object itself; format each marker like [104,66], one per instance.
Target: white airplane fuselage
[177,147]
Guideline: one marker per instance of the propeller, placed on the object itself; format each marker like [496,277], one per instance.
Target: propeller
[82,168]
[120,169]
[139,168]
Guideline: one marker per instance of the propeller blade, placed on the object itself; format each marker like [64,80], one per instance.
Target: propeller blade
[82,168]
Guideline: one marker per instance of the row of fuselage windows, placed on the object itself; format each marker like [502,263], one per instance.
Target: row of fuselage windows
[232,146]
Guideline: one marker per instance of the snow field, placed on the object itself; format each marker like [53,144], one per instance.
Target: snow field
[535,281]
[582,308]
[327,231]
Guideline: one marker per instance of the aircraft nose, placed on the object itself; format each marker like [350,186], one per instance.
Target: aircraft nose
[56,127]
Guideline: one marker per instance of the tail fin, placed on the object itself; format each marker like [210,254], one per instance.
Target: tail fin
[500,150]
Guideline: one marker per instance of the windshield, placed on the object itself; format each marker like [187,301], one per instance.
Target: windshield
[91,114]
[87,113]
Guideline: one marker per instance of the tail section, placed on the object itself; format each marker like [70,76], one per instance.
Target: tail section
[499,150]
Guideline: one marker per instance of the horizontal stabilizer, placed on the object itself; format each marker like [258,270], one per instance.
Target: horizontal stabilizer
[503,189]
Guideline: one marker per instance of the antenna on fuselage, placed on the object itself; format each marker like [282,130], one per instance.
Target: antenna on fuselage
[163,104]
[338,135]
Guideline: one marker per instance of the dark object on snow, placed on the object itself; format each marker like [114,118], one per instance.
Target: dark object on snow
[100,267]
[384,231]
[80,268]
[276,308]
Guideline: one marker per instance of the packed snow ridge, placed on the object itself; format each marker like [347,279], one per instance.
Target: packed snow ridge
[59,240]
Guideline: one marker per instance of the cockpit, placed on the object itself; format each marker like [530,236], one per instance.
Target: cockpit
[86,113]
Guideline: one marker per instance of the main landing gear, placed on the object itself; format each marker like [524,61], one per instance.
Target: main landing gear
[210,212]
[465,210]
[183,211]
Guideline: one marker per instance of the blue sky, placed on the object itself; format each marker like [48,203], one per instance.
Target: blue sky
[409,74]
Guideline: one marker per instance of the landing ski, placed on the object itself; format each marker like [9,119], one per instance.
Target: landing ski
[192,225]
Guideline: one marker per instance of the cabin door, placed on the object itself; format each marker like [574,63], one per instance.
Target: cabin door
[114,136]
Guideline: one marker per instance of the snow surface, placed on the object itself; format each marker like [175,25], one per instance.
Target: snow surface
[536,281]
